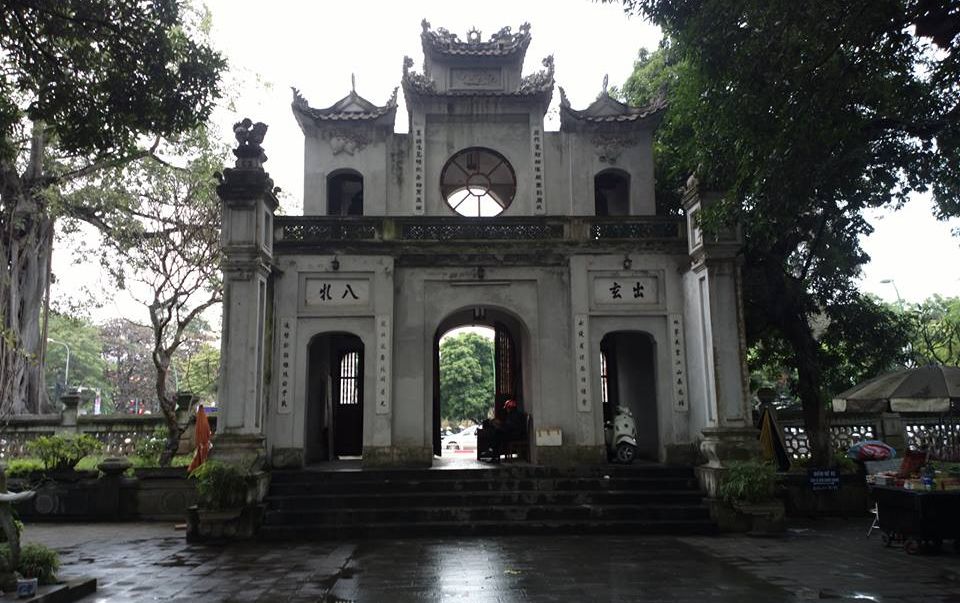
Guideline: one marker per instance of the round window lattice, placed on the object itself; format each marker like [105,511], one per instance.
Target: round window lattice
[478,183]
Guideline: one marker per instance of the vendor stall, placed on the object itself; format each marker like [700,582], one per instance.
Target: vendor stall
[919,519]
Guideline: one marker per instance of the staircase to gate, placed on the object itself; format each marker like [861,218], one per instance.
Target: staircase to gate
[517,499]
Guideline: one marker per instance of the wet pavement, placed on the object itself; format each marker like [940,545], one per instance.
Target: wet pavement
[826,560]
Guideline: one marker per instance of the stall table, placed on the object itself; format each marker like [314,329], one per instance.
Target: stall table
[920,519]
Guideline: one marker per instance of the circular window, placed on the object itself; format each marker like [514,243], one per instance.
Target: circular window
[478,182]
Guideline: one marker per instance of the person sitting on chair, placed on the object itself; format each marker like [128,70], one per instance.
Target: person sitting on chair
[504,428]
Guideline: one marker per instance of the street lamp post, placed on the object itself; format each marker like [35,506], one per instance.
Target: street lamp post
[66,370]
[890,281]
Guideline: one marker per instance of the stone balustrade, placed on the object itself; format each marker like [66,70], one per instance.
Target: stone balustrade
[119,433]
[938,433]
[295,231]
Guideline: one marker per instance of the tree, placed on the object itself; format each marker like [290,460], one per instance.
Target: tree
[466,377]
[87,364]
[171,252]
[200,372]
[802,115]
[82,82]
[936,331]
[129,372]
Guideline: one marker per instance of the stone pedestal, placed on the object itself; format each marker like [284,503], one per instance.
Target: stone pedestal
[68,416]
[720,446]
[247,451]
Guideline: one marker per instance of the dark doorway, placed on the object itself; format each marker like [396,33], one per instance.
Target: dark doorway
[628,376]
[345,193]
[334,416]
[611,191]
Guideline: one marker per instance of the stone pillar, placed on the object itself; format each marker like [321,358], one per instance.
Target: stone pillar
[715,258]
[248,203]
[68,415]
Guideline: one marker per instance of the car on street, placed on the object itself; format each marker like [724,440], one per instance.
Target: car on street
[466,439]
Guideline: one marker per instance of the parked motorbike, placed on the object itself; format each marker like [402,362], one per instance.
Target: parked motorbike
[621,436]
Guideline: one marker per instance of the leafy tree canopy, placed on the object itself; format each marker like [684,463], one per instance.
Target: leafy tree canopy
[101,73]
[801,115]
[87,364]
[466,377]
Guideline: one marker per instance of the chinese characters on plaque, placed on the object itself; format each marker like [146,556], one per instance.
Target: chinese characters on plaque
[581,348]
[286,365]
[678,362]
[631,290]
[383,364]
[321,291]
[536,144]
[418,169]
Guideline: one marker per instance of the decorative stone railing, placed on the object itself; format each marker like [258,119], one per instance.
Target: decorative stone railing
[300,230]
[119,433]
[938,433]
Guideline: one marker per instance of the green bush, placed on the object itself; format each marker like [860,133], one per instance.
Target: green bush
[36,561]
[748,482]
[150,447]
[23,467]
[220,486]
[63,452]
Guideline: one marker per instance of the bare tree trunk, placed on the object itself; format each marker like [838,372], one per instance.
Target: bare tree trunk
[168,406]
[26,250]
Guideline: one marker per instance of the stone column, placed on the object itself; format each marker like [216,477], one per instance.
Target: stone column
[68,415]
[715,258]
[248,203]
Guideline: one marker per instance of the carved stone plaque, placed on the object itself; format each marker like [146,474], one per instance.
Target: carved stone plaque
[322,292]
[626,291]
[475,79]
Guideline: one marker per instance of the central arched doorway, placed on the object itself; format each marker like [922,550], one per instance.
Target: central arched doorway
[508,339]
[334,421]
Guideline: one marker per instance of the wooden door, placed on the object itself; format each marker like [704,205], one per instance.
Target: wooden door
[348,400]
[507,367]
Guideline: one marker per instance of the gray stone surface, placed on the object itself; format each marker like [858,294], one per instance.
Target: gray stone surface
[830,560]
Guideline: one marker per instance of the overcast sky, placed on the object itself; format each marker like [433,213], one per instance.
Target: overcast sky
[316,46]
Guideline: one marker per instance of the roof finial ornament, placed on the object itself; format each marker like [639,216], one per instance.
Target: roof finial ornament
[353,83]
[606,83]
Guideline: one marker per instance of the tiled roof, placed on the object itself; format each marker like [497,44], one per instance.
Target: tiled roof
[501,44]
[607,109]
[352,107]
[535,84]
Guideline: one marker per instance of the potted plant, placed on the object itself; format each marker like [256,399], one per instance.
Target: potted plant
[749,487]
[226,503]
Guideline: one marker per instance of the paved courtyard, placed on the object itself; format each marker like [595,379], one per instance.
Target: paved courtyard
[830,560]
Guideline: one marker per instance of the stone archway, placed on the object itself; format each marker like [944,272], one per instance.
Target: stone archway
[511,347]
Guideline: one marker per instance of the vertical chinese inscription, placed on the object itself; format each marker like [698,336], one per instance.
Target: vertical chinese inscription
[581,348]
[286,346]
[383,364]
[678,363]
[418,169]
[536,144]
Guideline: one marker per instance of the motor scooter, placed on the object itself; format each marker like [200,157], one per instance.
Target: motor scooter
[621,436]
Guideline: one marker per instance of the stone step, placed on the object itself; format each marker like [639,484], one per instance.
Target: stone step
[500,497]
[285,533]
[518,471]
[363,485]
[498,513]
[509,499]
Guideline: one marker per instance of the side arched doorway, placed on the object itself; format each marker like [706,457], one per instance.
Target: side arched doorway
[508,363]
[628,377]
[334,414]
